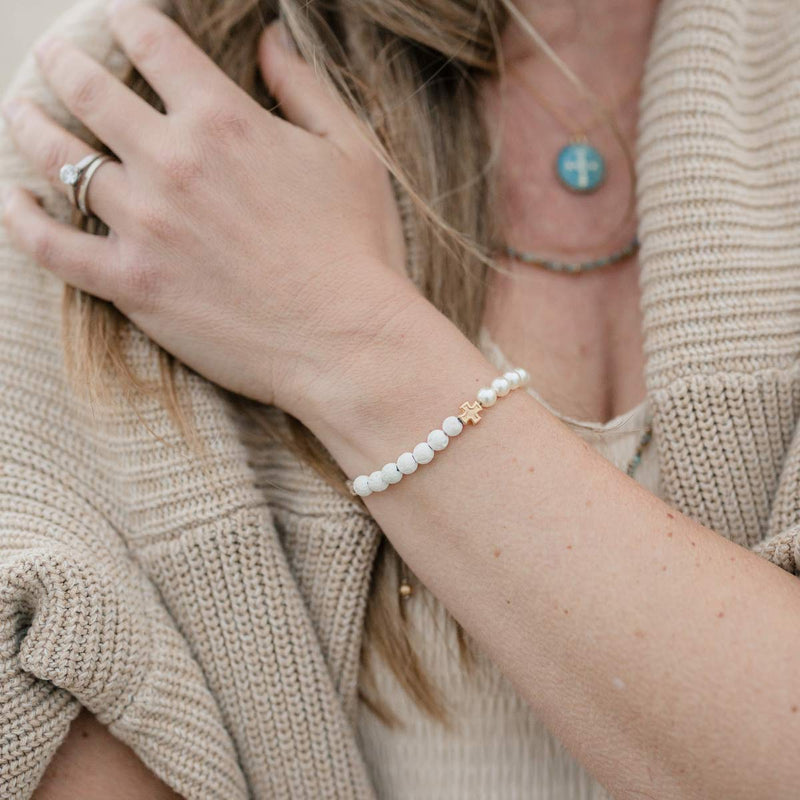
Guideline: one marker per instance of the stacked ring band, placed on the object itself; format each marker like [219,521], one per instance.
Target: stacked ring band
[83,191]
[438,439]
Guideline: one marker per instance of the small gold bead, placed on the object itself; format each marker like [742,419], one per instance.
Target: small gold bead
[405,590]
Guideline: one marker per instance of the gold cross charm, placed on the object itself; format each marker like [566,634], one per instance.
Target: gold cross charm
[470,412]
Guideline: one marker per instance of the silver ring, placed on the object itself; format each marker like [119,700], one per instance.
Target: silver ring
[86,179]
[71,174]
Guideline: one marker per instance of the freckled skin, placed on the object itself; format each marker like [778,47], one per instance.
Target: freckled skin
[569,547]
[639,634]
[530,469]
[669,533]
[497,552]
[793,709]
[721,614]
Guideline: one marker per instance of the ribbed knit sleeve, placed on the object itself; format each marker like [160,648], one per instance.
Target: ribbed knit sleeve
[718,166]
[80,622]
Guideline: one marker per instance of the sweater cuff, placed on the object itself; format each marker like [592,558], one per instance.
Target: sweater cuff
[782,549]
[68,638]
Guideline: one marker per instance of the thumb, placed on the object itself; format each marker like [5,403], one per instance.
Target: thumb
[303,97]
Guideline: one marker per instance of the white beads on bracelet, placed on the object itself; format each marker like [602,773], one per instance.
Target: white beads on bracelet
[407,464]
[423,453]
[452,426]
[439,438]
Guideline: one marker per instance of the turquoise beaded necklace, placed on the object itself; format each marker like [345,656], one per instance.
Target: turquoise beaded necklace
[573,267]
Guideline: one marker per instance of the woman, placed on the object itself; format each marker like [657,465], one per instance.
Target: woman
[319,257]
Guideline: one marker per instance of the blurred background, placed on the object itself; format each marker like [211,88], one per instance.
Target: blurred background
[23,21]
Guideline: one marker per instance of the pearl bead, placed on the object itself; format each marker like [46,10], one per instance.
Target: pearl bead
[487,397]
[391,473]
[438,439]
[501,387]
[524,377]
[361,486]
[406,464]
[376,482]
[423,453]
[513,379]
[452,426]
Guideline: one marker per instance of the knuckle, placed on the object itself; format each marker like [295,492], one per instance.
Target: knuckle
[155,224]
[181,170]
[53,157]
[224,124]
[145,44]
[139,285]
[42,246]
[86,92]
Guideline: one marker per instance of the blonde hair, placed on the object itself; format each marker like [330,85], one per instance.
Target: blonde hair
[408,70]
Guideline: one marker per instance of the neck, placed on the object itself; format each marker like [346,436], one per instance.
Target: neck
[535,109]
[583,34]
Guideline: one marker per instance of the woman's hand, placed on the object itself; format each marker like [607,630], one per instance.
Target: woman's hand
[259,251]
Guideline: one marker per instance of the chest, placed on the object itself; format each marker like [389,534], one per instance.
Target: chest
[580,337]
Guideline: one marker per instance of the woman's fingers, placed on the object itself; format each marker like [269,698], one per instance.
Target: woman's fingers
[79,259]
[179,71]
[48,147]
[303,97]
[116,114]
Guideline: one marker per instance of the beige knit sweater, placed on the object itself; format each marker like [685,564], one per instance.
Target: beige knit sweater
[213,620]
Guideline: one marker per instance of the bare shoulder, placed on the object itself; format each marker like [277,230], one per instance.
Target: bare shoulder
[93,765]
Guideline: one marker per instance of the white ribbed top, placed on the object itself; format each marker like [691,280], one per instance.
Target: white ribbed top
[498,749]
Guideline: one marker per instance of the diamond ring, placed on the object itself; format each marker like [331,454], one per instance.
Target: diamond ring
[71,174]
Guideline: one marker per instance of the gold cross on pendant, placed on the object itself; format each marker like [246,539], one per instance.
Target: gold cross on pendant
[470,412]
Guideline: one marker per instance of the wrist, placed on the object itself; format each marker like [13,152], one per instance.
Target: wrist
[414,369]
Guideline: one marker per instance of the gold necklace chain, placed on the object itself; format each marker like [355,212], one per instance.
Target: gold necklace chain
[580,131]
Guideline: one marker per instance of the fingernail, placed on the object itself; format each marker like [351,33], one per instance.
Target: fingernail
[11,109]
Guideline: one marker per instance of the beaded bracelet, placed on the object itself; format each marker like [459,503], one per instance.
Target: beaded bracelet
[438,439]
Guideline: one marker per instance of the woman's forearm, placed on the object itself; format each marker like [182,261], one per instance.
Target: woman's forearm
[664,656]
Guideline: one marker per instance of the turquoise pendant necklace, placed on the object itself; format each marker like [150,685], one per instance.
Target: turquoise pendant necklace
[580,166]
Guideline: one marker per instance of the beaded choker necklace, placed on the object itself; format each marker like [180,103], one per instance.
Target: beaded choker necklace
[573,267]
